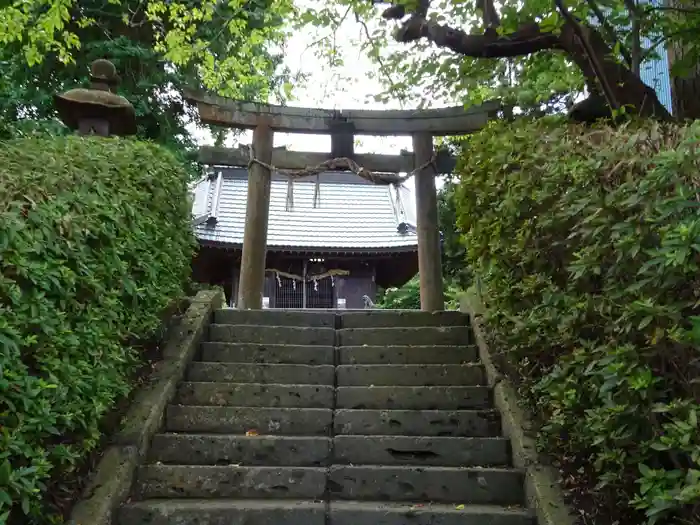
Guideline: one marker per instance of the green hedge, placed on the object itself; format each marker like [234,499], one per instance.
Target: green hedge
[95,242]
[587,243]
[408,296]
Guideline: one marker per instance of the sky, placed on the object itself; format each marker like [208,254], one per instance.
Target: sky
[348,87]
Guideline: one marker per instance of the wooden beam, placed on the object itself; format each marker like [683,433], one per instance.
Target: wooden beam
[429,256]
[298,160]
[252,276]
[445,121]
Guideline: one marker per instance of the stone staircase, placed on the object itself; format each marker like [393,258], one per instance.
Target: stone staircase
[317,418]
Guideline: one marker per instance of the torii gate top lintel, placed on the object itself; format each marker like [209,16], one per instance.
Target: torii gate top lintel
[437,122]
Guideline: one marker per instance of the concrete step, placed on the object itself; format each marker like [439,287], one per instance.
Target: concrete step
[261,334]
[227,512]
[411,375]
[261,395]
[421,450]
[239,420]
[262,373]
[414,397]
[276,317]
[253,394]
[292,512]
[271,354]
[371,513]
[204,481]
[401,318]
[464,423]
[432,335]
[212,449]
[406,355]
[497,486]
[264,395]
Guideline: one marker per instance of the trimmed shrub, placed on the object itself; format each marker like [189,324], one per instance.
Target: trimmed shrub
[587,244]
[405,298]
[408,296]
[95,243]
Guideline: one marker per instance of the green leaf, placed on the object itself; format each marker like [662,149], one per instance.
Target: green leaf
[5,473]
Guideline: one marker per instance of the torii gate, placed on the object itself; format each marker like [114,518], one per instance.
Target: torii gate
[342,125]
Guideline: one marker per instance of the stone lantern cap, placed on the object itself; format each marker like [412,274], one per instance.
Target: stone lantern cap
[98,103]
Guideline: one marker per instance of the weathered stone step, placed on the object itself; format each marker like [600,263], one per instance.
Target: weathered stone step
[276,317]
[264,353]
[497,486]
[228,512]
[451,335]
[262,373]
[293,512]
[239,420]
[401,318]
[421,450]
[204,481]
[261,334]
[371,513]
[466,423]
[261,395]
[264,395]
[254,394]
[406,355]
[212,449]
[414,397]
[411,375]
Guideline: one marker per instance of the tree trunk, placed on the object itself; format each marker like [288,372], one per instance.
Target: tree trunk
[629,89]
[685,90]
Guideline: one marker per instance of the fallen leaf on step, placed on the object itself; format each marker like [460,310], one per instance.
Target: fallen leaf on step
[459,507]
[252,433]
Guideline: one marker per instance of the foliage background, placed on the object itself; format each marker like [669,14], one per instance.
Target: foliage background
[95,242]
[158,48]
[587,246]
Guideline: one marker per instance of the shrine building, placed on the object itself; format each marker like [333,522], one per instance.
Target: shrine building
[331,239]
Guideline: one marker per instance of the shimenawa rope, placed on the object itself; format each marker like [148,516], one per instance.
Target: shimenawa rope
[333,164]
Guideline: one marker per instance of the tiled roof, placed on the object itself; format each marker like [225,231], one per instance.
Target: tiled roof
[351,215]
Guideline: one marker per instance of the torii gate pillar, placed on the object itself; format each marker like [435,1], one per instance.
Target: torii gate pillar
[252,276]
[429,253]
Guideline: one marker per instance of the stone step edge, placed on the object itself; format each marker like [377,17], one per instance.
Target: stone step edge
[345,505]
[470,411]
[282,327]
[341,436]
[467,364]
[432,387]
[275,346]
[334,467]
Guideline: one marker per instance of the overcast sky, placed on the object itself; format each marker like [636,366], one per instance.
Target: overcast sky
[348,87]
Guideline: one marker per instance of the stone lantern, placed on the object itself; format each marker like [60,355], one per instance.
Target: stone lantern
[97,110]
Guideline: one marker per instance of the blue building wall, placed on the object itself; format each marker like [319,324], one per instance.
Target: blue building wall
[656,73]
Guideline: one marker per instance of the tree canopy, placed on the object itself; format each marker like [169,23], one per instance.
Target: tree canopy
[158,48]
[528,53]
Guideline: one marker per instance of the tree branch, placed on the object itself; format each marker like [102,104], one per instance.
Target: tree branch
[524,41]
[626,87]
[609,30]
[582,40]
[635,15]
